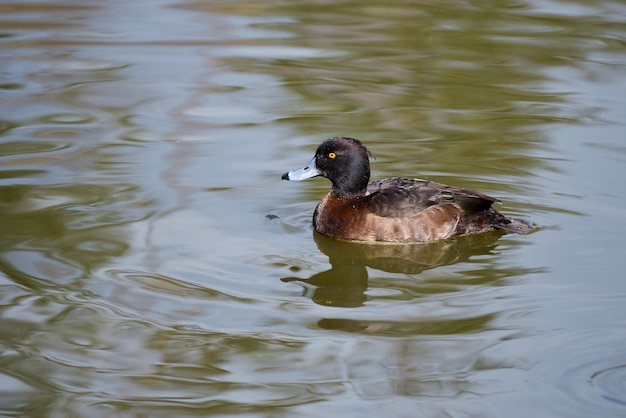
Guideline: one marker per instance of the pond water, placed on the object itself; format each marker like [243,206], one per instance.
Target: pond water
[152,263]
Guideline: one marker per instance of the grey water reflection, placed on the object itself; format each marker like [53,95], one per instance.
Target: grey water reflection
[347,280]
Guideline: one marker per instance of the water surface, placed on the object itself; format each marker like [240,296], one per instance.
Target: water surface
[141,148]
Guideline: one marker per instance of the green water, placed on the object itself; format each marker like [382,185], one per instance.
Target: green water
[141,149]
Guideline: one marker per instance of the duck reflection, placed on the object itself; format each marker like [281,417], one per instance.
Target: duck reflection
[344,285]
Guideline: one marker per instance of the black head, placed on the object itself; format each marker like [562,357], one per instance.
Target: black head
[345,162]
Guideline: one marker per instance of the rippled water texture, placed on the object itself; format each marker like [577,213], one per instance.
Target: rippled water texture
[153,264]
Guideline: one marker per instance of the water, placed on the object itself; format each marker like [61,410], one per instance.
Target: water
[141,148]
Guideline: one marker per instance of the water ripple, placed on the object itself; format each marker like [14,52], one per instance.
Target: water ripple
[611,383]
[597,382]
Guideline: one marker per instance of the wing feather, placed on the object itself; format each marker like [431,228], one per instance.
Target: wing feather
[401,198]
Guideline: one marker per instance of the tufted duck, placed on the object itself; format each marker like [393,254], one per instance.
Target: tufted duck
[393,209]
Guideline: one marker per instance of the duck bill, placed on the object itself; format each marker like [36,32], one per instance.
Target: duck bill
[306,172]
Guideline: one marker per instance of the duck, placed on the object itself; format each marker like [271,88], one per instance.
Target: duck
[393,210]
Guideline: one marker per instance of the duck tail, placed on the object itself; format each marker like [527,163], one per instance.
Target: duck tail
[517,226]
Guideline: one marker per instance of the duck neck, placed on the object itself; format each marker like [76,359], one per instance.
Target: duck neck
[352,189]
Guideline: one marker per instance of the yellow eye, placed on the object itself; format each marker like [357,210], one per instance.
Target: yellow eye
[332,155]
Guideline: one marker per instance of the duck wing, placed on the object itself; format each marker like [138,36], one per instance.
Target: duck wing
[400,198]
